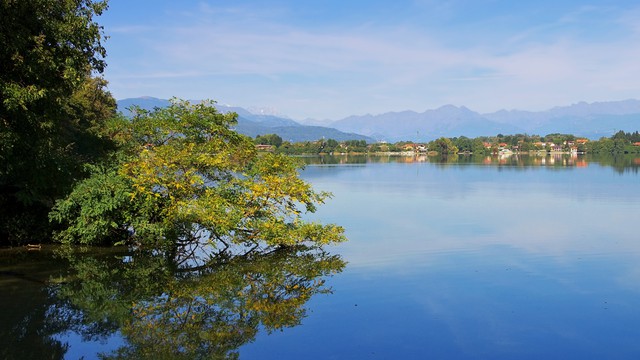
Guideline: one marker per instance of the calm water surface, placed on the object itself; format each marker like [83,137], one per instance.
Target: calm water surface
[488,259]
[469,261]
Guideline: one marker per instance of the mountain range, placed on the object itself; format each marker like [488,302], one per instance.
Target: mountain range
[591,120]
[252,125]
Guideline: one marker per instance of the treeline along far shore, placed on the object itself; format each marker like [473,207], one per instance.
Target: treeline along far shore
[620,143]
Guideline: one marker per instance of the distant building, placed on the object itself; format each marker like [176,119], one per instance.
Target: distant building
[261,147]
[414,147]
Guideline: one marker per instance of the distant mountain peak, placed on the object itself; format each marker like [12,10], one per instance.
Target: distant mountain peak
[582,118]
[623,107]
[268,111]
[448,107]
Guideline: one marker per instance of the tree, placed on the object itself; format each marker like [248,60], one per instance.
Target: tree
[619,146]
[356,146]
[269,139]
[478,147]
[443,146]
[330,146]
[463,144]
[182,179]
[48,51]
[620,135]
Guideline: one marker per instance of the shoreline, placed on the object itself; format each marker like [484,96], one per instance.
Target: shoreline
[433,153]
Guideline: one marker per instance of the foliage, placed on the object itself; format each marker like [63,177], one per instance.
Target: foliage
[269,139]
[463,143]
[305,147]
[48,47]
[97,203]
[324,146]
[443,146]
[50,107]
[633,137]
[329,146]
[184,178]
[619,143]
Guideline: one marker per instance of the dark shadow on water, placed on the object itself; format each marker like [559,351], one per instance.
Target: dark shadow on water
[25,332]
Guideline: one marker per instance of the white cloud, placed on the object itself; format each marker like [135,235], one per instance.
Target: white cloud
[403,65]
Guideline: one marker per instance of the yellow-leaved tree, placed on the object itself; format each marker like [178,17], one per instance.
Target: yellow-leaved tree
[182,178]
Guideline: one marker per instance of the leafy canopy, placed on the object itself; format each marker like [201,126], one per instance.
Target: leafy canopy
[50,107]
[184,178]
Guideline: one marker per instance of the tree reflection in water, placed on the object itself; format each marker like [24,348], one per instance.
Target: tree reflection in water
[206,311]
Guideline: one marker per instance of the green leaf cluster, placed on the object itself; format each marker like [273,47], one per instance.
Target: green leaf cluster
[269,139]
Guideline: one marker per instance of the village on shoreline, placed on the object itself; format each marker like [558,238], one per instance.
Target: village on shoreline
[620,143]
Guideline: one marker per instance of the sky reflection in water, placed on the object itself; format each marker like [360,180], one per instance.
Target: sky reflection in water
[470,261]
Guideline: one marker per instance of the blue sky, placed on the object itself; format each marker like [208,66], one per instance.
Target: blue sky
[328,59]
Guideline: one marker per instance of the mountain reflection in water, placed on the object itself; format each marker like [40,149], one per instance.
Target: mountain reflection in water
[143,306]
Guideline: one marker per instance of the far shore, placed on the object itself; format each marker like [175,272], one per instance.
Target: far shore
[434,153]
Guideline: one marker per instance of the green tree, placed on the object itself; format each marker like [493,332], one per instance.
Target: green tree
[604,146]
[463,144]
[269,139]
[330,146]
[619,146]
[620,135]
[356,146]
[183,178]
[478,147]
[48,112]
[443,146]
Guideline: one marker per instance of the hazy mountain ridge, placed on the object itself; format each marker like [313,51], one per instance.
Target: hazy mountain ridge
[251,124]
[591,120]
[446,121]
[624,107]
[144,102]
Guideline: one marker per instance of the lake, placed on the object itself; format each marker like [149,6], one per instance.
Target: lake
[496,258]
[490,259]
